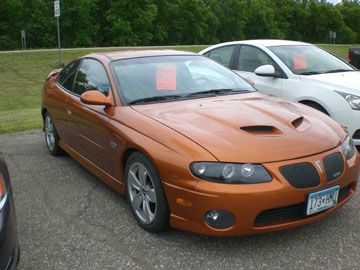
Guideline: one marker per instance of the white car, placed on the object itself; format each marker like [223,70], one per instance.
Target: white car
[299,72]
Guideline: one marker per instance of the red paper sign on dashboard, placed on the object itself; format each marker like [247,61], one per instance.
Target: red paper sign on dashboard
[166,77]
[300,61]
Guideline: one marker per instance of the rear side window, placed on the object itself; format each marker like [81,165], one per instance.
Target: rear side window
[91,76]
[222,55]
[67,75]
[250,58]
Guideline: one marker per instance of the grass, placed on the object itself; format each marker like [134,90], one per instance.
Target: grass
[22,75]
[340,50]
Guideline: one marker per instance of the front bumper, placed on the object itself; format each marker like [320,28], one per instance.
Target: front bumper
[8,236]
[351,120]
[247,202]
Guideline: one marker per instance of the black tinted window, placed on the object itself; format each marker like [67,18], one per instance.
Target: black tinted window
[222,55]
[67,75]
[91,76]
[250,58]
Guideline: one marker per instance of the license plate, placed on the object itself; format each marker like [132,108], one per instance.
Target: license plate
[321,200]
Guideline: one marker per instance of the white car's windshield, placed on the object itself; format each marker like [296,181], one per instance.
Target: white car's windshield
[165,78]
[309,60]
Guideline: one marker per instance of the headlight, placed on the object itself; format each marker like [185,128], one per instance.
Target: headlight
[354,101]
[3,193]
[230,173]
[348,148]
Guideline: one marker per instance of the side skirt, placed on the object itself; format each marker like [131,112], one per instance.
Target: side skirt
[95,170]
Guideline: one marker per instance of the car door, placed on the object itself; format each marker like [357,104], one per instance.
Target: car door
[248,60]
[91,121]
[58,96]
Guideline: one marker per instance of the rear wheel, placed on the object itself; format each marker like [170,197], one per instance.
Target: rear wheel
[145,194]
[51,136]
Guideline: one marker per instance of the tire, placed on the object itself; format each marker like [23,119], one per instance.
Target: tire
[18,255]
[51,136]
[145,194]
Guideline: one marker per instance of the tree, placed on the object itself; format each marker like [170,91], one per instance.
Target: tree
[170,22]
[77,24]
[191,22]
[350,11]
[131,22]
[39,23]
[10,20]
[232,16]
[261,22]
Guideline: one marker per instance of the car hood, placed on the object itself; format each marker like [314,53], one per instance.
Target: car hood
[252,128]
[341,81]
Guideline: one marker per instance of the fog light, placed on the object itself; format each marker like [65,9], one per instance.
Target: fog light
[219,219]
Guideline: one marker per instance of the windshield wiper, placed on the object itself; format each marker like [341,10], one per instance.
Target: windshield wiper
[154,99]
[218,92]
[310,73]
[338,70]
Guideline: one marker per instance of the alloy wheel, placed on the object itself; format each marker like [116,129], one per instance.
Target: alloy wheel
[50,133]
[142,193]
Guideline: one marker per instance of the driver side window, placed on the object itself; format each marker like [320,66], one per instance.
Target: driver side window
[91,76]
[222,55]
[67,75]
[250,58]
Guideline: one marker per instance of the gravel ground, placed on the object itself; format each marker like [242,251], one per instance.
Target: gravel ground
[68,219]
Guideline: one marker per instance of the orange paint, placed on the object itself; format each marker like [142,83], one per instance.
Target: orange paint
[100,131]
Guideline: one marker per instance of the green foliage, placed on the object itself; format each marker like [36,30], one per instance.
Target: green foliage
[131,22]
[350,11]
[87,23]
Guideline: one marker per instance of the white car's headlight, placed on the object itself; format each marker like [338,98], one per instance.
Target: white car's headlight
[230,173]
[354,101]
[3,192]
[348,148]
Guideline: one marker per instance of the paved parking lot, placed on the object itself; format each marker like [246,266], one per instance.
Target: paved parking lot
[67,219]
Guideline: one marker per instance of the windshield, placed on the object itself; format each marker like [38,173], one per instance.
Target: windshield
[166,78]
[309,60]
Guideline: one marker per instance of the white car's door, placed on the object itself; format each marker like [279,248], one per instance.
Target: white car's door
[249,59]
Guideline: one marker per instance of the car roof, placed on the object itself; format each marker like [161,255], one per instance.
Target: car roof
[274,42]
[117,55]
[257,42]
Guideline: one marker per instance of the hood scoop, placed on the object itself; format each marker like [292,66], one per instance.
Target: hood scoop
[297,122]
[261,130]
[300,124]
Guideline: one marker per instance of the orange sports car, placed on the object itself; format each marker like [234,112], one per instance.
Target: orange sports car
[194,146]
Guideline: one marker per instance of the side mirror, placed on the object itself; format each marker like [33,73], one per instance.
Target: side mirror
[95,97]
[265,71]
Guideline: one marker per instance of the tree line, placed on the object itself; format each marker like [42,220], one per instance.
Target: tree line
[87,23]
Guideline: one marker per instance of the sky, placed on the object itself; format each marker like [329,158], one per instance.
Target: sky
[334,1]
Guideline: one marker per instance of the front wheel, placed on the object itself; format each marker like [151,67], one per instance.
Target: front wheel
[51,136]
[145,194]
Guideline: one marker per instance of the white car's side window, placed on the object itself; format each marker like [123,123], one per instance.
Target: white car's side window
[222,55]
[250,58]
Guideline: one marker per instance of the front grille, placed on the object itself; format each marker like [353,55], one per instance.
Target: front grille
[356,135]
[301,175]
[334,166]
[344,192]
[292,212]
